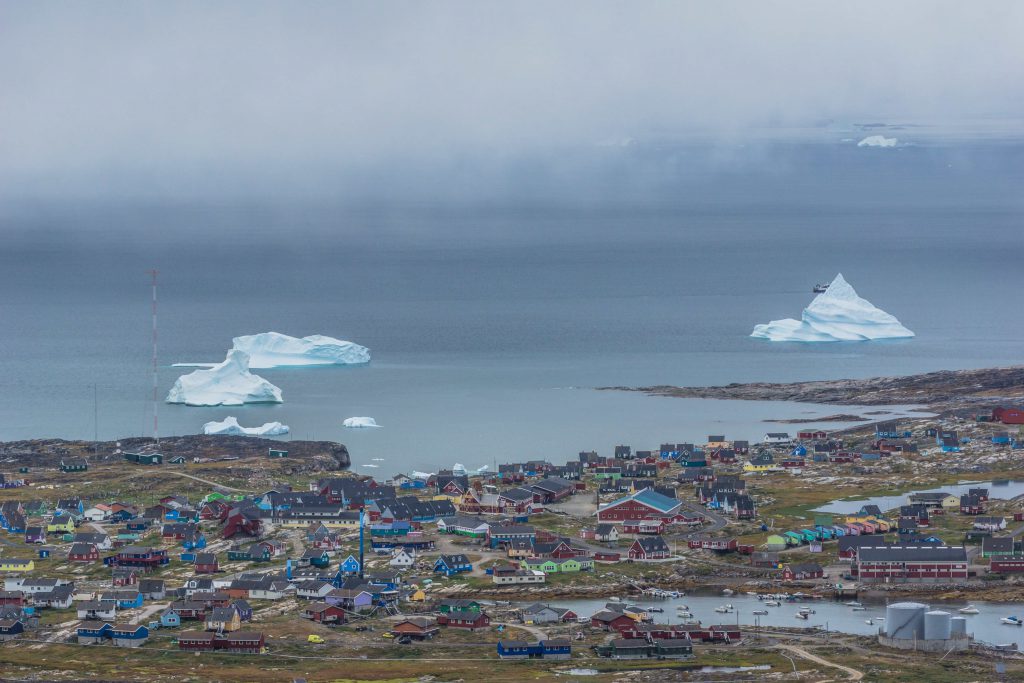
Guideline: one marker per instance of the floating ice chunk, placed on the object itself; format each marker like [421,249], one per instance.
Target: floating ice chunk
[271,350]
[359,423]
[838,314]
[229,426]
[877,141]
[421,475]
[226,384]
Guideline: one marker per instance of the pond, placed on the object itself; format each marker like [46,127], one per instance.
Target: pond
[1003,490]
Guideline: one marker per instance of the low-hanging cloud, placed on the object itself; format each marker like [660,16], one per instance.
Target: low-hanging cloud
[196,99]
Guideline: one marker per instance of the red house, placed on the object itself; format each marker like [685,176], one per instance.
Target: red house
[645,504]
[206,563]
[802,571]
[323,613]
[472,621]
[644,526]
[14,598]
[612,621]
[1007,564]
[653,548]
[1008,416]
[240,642]
[726,545]
[83,552]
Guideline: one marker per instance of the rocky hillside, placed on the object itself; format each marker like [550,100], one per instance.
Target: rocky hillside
[327,455]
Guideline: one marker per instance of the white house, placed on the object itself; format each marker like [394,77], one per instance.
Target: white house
[777,437]
[96,514]
[402,558]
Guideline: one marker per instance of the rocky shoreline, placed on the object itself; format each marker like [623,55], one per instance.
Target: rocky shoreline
[49,452]
[943,390]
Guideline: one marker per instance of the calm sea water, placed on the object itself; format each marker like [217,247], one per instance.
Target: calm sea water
[489,349]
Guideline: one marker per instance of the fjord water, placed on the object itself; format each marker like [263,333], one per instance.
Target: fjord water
[490,327]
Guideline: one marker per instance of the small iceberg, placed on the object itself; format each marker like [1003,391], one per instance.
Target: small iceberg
[838,314]
[877,141]
[359,423]
[229,426]
[226,384]
[275,350]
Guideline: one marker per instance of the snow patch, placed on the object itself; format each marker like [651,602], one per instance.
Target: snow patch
[226,384]
[229,426]
[877,141]
[838,314]
[359,423]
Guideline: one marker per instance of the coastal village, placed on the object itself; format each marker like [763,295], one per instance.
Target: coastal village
[262,564]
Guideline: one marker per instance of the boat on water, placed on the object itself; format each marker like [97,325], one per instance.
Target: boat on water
[820,288]
[853,603]
[657,610]
[802,615]
[682,608]
[858,609]
[869,622]
[684,614]
[773,603]
[727,591]
[1012,621]
[760,612]
[723,609]
[970,609]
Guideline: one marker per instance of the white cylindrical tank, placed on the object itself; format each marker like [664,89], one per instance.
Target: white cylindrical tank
[936,625]
[905,620]
[958,626]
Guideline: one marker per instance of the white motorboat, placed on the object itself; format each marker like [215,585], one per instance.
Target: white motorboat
[773,603]
[869,622]
[760,612]
[970,609]
[802,615]
[858,609]
[723,609]
[685,615]
[1012,621]
[853,603]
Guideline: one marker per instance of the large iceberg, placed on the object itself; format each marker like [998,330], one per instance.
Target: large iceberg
[837,314]
[226,384]
[359,423]
[229,426]
[272,349]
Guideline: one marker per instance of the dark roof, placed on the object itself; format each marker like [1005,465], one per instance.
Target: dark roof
[922,553]
[652,544]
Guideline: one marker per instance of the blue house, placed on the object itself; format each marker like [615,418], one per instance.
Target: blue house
[668,450]
[1001,438]
[137,524]
[11,628]
[799,451]
[194,540]
[243,608]
[129,635]
[125,599]
[413,484]
[349,566]
[544,649]
[453,564]
[90,632]
[170,619]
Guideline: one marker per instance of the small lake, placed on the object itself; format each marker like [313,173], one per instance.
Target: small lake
[1000,491]
[985,626]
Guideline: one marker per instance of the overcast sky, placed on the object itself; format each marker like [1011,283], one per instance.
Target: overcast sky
[184,99]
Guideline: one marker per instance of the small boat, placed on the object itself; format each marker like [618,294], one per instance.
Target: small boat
[970,609]
[820,288]
[656,610]
[615,598]
[760,612]
[869,622]
[727,591]
[685,615]
[722,609]
[802,615]
[773,603]
[858,609]
[1012,621]
[852,603]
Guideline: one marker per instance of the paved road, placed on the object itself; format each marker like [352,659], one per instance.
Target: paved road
[853,674]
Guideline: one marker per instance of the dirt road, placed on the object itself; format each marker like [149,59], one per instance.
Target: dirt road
[852,674]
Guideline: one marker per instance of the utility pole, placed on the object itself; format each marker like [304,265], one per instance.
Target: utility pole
[156,430]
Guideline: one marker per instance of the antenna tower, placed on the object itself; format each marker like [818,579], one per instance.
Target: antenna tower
[156,430]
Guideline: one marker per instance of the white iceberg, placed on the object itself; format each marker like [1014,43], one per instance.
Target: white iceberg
[459,468]
[226,384]
[229,426]
[359,423]
[275,350]
[837,314]
[271,350]
[877,141]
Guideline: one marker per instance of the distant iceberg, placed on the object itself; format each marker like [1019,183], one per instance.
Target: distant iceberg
[229,426]
[226,384]
[275,350]
[271,350]
[359,423]
[838,314]
[877,141]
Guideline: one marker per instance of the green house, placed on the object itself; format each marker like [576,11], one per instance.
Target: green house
[74,465]
[145,458]
[823,520]
[775,542]
[459,605]
[546,566]
[277,453]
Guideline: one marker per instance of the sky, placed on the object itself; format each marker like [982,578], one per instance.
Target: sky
[340,101]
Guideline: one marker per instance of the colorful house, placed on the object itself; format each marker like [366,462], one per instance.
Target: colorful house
[452,564]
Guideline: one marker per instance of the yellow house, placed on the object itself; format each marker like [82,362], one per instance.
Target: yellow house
[14,565]
[751,467]
[418,595]
[716,441]
[455,499]
[61,525]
